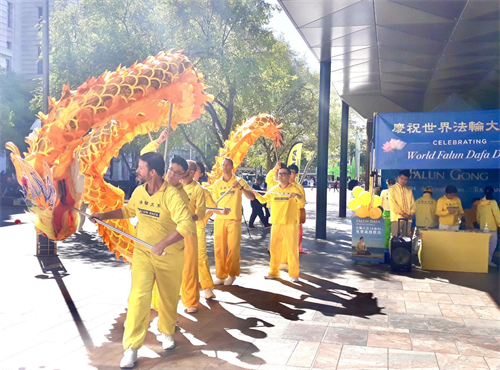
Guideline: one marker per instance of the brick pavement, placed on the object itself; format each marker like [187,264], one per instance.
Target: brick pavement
[340,316]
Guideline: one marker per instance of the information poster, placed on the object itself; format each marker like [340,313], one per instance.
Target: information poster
[368,240]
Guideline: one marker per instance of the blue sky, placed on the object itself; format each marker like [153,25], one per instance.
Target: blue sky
[281,24]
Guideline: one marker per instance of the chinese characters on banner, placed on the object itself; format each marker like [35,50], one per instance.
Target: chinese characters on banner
[437,140]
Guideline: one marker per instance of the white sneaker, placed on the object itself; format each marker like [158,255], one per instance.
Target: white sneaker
[191,310]
[492,264]
[129,358]
[283,266]
[230,280]
[209,294]
[294,280]
[271,277]
[219,281]
[167,341]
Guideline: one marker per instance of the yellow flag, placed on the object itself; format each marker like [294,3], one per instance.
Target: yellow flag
[295,155]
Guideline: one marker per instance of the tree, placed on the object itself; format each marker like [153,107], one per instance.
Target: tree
[16,117]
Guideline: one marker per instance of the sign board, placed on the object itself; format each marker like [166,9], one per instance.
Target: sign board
[368,240]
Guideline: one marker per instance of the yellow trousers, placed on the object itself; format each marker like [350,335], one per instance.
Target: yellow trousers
[284,246]
[190,293]
[203,266]
[227,240]
[148,268]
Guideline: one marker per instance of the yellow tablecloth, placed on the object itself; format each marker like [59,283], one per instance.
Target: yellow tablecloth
[460,251]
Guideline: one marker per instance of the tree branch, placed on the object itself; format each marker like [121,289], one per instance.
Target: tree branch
[193,145]
[215,123]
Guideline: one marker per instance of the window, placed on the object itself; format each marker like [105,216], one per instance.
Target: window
[9,45]
[40,14]
[40,61]
[9,14]
[7,65]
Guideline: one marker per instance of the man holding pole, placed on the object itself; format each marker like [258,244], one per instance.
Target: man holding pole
[285,201]
[163,221]
[189,293]
[228,191]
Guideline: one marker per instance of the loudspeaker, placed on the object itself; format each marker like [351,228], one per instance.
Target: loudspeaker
[400,251]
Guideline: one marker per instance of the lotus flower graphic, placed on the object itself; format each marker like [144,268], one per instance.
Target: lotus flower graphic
[393,144]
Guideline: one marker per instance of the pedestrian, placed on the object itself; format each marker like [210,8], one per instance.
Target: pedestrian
[386,214]
[257,208]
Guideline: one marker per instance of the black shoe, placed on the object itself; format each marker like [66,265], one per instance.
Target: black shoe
[268,226]
[251,227]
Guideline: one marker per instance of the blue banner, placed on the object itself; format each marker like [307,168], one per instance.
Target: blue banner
[437,140]
[368,240]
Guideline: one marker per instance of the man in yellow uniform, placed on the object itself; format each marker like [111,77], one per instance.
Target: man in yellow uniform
[449,209]
[206,282]
[163,221]
[488,217]
[272,176]
[227,228]
[197,206]
[294,171]
[425,214]
[285,221]
[402,204]
[190,294]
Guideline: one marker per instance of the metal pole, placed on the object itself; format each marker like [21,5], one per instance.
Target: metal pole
[343,159]
[323,134]
[45,56]
[111,227]
[166,141]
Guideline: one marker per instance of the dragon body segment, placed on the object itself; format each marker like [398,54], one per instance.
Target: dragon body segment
[242,138]
[87,127]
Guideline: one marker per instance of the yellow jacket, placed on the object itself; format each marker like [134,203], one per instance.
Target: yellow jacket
[150,147]
[284,210]
[271,179]
[488,213]
[442,206]
[159,215]
[401,201]
[197,204]
[426,209]
[232,199]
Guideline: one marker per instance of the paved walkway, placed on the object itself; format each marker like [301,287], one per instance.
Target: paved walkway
[341,315]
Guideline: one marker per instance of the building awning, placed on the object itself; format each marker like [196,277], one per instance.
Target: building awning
[405,55]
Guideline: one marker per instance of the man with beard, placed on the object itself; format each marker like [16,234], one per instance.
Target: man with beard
[163,221]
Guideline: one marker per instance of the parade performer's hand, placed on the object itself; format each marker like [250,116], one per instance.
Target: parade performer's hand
[163,136]
[236,185]
[158,248]
[295,195]
[194,218]
[226,211]
[94,216]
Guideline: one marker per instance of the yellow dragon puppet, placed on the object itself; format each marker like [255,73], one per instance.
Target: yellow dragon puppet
[87,127]
[68,157]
